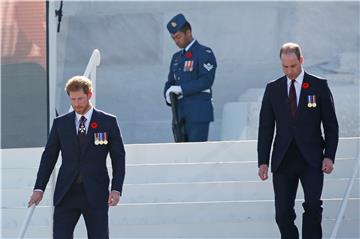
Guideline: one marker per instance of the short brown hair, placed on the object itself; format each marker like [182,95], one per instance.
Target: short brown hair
[77,83]
[289,48]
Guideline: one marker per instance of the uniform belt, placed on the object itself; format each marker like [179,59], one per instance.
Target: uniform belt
[206,91]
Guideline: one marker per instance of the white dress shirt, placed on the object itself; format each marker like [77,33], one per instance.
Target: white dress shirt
[298,83]
[87,115]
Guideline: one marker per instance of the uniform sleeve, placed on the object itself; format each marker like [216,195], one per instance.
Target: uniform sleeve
[48,159]
[171,80]
[329,121]
[206,74]
[266,129]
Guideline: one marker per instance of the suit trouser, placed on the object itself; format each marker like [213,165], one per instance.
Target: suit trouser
[67,214]
[196,131]
[285,182]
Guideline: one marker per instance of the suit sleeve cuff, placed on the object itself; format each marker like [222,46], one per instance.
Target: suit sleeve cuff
[116,191]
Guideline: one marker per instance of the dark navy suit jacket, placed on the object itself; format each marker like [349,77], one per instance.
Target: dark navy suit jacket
[305,128]
[194,71]
[90,162]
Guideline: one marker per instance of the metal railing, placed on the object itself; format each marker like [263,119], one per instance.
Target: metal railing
[26,221]
[345,199]
[90,72]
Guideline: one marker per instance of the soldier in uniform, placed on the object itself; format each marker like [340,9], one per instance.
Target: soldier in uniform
[191,76]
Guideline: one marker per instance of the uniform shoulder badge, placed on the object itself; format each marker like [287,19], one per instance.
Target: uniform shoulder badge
[208,51]
[208,66]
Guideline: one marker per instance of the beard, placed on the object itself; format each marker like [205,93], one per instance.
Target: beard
[82,109]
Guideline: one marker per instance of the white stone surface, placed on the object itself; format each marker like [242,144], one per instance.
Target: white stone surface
[202,190]
[191,192]
[245,36]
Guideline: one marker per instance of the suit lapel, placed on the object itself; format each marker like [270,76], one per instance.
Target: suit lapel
[285,96]
[90,132]
[302,99]
[70,120]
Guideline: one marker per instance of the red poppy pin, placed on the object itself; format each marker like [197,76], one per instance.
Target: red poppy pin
[188,54]
[94,125]
[305,85]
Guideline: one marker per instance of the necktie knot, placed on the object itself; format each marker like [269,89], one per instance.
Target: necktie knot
[82,119]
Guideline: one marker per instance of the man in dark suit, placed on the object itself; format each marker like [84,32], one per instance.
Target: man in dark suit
[191,76]
[84,136]
[297,104]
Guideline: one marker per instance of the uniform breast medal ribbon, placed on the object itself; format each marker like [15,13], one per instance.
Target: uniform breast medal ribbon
[188,65]
[101,138]
[311,101]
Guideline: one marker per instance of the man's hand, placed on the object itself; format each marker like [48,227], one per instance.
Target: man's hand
[35,198]
[114,198]
[263,171]
[327,165]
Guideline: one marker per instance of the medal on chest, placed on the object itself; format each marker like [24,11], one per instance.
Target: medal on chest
[188,65]
[101,138]
[311,101]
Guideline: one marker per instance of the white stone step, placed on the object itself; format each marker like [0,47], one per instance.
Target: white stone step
[237,229]
[224,151]
[176,173]
[202,190]
[191,192]
[252,94]
[191,212]
[242,229]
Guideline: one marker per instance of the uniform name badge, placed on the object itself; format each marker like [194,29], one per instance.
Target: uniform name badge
[311,101]
[101,138]
[188,65]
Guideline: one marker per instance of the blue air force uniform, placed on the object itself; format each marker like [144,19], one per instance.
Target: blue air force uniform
[193,69]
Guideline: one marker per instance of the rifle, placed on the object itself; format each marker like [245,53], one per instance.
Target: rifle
[177,124]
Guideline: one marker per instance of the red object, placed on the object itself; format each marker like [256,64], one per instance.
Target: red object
[94,125]
[305,85]
[188,54]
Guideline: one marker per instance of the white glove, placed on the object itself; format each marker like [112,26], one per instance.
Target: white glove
[175,89]
[168,100]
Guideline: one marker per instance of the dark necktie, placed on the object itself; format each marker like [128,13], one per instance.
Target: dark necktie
[82,131]
[82,137]
[292,98]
